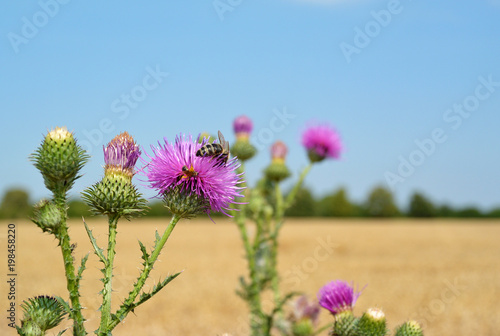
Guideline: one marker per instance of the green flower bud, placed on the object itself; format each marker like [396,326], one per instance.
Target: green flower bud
[41,314]
[277,171]
[185,203]
[345,324]
[410,328]
[59,159]
[47,216]
[372,323]
[243,149]
[303,327]
[115,195]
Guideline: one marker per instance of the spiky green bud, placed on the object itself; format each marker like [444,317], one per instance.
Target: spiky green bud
[304,327]
[185,203]
[47,216]
[243,149]
[59,158]
[115,195]
[345,324]
[277,171]
[410,328]
[41,313]
[372,323]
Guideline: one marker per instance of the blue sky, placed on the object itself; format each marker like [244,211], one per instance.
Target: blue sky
[413,87]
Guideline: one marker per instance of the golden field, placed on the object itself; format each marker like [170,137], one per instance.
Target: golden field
[446,274]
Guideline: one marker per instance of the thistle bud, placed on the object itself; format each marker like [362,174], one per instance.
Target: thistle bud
[41,314]
[277,171]
[410,328]
[345,324]
[372,323]
[185,203]
[115,195]
[303,328]
[242,148]
[47,216]
[59,159]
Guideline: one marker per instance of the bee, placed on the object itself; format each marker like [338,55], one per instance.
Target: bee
[189,172]
[219,150]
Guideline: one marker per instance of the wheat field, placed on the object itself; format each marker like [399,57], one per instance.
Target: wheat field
[445,274]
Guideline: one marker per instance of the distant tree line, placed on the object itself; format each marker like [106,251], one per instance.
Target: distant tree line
[379,203]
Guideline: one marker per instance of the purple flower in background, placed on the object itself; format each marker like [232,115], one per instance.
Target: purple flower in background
[337,296]
[303,309]
[279,150]
[242,125]
[175,169]
[121,155]
[321,141]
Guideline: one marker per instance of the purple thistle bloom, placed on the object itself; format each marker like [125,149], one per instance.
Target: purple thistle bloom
[242,124]
[303,309]
[122,153]
[337,296]
[176,166]
[321,141]
[279,150]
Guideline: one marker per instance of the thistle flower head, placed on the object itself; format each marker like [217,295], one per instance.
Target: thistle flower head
[115,194]
[120,155]
[277,170]
[242,148]
[47,216]
[338,296]
[279,150]
[304,309]
[321,141]
[192,184]
[410,328]
[59,159]
[242,126]
[40,314]
[372,323]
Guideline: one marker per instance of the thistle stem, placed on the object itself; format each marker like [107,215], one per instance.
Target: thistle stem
[128,305]
[108,276]
[69,268]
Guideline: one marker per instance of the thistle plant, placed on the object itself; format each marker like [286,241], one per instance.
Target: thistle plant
[266,209]
[339,298]
[189,185]
[59,159]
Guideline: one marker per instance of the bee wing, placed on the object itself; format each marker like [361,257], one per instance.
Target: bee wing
[223,141]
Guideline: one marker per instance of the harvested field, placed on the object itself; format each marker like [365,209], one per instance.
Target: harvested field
[446,274]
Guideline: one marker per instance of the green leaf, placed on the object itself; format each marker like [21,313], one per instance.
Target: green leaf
[98,251]
[159,286]
[145,255]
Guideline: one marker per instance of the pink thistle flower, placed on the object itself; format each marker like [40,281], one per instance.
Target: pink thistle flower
[337,296]
[279,150]
[242,124]
[321,141]
[202,183]
[121,155]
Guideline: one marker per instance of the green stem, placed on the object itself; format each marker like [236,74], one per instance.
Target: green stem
[69,268]
[108,276]
[128,304]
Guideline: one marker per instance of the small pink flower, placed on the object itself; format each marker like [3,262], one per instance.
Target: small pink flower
[337,296]
[242,125]
[321,141]
[279,150]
